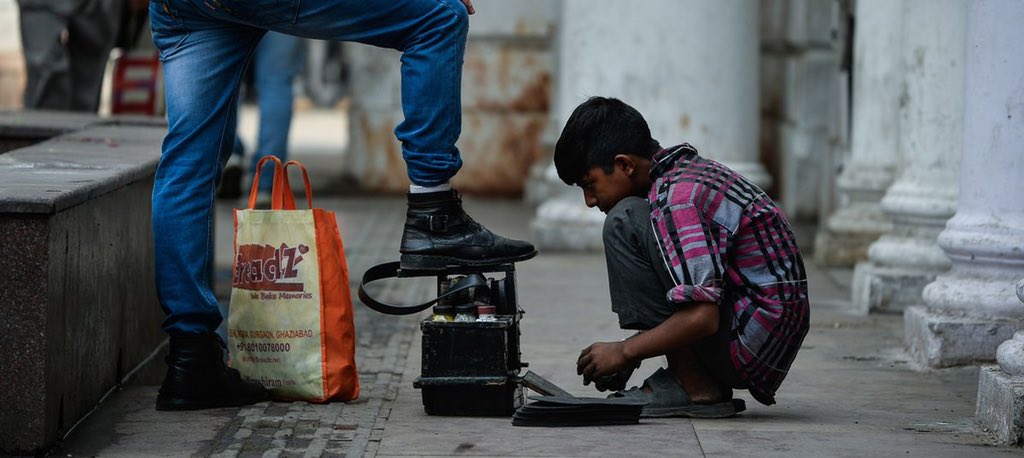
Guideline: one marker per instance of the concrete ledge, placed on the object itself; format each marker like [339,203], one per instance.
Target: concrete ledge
[70,169]
[1001,405]
[43,124]
[942,338]
[80,309]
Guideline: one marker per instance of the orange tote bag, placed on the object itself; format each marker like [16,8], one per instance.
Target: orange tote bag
[290,323]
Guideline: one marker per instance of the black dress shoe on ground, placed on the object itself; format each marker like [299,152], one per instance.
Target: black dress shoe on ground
[230,183]
[197,377]
[439,234]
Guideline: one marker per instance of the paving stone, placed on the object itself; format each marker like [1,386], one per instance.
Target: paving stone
[1001,405]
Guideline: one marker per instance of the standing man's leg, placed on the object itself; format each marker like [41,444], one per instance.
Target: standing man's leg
[47,62]
[279,58]
[204,47]
[203,63]
[432,37]
[91,31]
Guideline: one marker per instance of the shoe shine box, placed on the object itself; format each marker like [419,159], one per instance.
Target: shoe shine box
[471,368]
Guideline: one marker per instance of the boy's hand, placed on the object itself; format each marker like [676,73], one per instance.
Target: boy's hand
[602,359]
[614,382]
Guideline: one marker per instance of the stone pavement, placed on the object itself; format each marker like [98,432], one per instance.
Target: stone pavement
[850,393]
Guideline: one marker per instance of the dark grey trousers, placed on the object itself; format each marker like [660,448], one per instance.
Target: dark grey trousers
[639,280]
[67,75]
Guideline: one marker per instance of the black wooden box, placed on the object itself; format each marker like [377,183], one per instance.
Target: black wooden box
[472,368]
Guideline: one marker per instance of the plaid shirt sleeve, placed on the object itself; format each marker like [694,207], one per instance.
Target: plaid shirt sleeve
[693,257]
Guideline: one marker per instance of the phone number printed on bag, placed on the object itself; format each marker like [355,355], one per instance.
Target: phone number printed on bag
[264,347]
[266,268]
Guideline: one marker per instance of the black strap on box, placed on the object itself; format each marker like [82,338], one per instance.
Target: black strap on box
[392,270]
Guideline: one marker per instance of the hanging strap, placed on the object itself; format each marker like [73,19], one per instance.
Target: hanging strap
[281,197]
[390,270]
[305,181]
[275,201]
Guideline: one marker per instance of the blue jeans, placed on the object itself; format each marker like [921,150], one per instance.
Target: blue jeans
[204,46]
[278,60]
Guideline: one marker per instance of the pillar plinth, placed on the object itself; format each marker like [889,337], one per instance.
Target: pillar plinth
[971,309]
[563,223]
[906,258]
[1000,406]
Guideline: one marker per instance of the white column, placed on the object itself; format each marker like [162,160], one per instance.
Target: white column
[810,96]
[689,66]
[972,308]
[562,221]
[919,202]
[877,87]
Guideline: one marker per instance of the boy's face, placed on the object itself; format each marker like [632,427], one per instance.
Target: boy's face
[603,189]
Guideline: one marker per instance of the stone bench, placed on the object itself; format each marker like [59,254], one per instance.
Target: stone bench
[78,308]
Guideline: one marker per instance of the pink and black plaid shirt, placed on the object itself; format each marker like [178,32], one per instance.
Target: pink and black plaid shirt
[724,240]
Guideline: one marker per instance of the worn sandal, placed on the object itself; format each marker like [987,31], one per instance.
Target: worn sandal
[668,399]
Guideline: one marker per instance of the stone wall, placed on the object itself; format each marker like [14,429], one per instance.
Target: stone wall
[80,309]
[505,100]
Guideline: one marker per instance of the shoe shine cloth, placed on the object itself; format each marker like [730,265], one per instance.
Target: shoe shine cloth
[290,323]
[557,408]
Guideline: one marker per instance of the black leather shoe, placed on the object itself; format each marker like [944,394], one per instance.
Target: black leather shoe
[230,183]
[438,234]
[197,377]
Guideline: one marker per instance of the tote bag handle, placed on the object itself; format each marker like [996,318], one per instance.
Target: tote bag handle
[281,193]
[280,181]
[305,181]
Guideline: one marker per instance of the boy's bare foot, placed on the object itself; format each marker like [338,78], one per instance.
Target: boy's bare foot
[702,388]
[687,371]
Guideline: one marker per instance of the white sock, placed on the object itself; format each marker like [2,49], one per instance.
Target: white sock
[414,189]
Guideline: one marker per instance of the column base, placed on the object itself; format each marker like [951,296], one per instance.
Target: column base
[886,289]
[844,240]
[1001,405]
[543,184]
[941,338]
[567,225]
[842,249]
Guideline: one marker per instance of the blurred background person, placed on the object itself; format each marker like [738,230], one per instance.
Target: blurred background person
[277,62]
[66,45]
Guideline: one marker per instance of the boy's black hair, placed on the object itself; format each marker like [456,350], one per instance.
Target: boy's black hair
[597,130]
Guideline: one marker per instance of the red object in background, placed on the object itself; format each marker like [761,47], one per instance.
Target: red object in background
[136,88]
